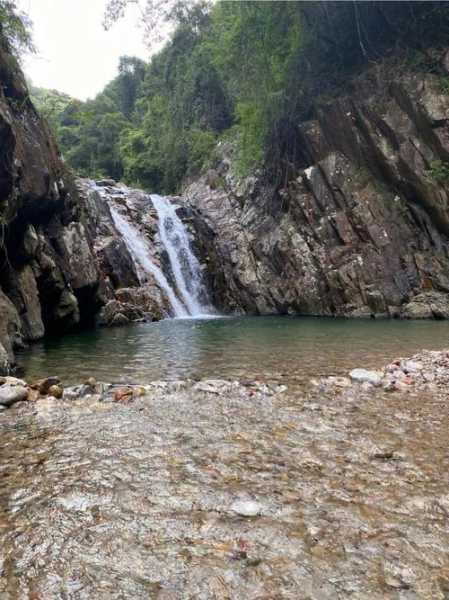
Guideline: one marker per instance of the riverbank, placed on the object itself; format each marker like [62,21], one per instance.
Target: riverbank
[426,371]
[230,489]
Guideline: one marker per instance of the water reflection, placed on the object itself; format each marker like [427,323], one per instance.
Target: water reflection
[268,347]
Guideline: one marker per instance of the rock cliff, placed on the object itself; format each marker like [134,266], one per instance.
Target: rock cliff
[48,278]
[61,259]
[363,228]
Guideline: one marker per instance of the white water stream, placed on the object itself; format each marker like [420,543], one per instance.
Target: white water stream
[188,298]
[184,264]
[141,255]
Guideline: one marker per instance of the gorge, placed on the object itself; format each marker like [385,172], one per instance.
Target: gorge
[360,232]
[224,315]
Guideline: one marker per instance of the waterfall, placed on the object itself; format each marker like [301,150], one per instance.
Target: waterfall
[184,264]
[140,253]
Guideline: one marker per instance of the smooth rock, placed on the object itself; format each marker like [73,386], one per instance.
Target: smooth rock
[91,382]
[364,376]
[246,508]
[10,394]
[56,390]
[12,381]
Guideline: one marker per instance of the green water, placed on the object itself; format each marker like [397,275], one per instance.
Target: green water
[255,347]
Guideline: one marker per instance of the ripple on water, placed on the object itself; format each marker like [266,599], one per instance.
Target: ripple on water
[264,347]
[110,501]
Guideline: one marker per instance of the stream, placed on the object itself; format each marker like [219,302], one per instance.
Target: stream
[111,501]
[293,349]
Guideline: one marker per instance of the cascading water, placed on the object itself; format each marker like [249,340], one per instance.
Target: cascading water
[184,264]
[140,253]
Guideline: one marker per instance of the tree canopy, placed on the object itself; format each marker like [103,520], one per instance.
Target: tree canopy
[248,70]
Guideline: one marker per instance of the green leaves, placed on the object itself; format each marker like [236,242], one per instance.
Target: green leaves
[15,28]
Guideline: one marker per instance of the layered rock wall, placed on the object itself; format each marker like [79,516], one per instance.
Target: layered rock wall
[363,229]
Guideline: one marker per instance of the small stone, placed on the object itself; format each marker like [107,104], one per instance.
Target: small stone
[43,385]
[91,382]
[10,394]
[123,395]
[246,508]
[411,366]
[364,376]
[56,390]
[33,395]
[211,386]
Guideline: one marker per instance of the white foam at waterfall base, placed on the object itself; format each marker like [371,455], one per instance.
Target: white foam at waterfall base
[185,266]
[140,253]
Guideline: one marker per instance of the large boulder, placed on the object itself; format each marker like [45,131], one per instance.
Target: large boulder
[427,305]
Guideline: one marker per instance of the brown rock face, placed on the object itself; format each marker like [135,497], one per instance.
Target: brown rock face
[361,231]
[49,278]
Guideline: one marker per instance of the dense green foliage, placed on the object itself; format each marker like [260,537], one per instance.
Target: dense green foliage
[249,70]
[14,28]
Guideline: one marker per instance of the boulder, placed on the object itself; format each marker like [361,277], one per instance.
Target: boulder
[427,305]
[147,298]
[119,313]
[10,394]
[10,331]
[25,295]
[56,391]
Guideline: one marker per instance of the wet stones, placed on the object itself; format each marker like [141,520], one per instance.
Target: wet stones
[212,386]
[56,391]
[428,370]
[246,508]
[12,393]
[43,385]
[364,376]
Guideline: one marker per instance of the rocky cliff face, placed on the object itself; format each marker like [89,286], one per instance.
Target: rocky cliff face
[49,280]
[362,231]
[61,259]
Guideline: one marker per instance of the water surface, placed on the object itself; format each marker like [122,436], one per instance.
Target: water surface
[254,347]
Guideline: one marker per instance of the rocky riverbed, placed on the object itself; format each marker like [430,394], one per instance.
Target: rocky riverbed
[218,489]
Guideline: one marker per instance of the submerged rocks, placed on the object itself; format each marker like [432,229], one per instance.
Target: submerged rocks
[362,375]
[428,370]
[246,508]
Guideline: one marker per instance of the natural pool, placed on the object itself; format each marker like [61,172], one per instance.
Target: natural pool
[255,347]
[118,501]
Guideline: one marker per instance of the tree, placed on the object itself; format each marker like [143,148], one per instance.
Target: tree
[159,17]
[15,28]
[128,83]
